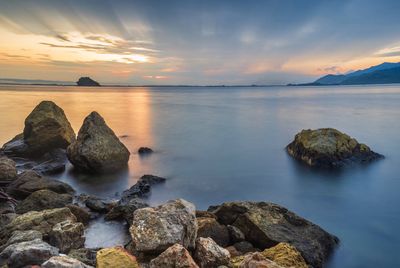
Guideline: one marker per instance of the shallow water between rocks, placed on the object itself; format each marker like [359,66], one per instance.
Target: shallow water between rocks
[217,144]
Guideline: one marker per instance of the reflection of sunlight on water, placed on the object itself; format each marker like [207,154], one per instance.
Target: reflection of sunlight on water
[101,233]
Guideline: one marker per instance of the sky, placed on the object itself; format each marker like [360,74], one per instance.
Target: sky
[195,42]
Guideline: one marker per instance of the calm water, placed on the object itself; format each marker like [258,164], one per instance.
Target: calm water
[221,144]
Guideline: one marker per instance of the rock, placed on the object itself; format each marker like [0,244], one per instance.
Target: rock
[8,170]
[33,252]
[97,149]
[67,235]
[209,254]
[153,230]
[87,82]
[64,262]
[97,204]
[30,181]
[233,251]
[85,255]
[7,203]
[244,247]
[285,255]
[42,221]
[22,236]
[46,128]
[145,151]
[6,219]
[266,224]
[115,257]
[328,147]
[43,199]
[209,227]
[235,234]
[204,214]
[125,210]
[175,256]
[82,214]
[253,260]
[141,188]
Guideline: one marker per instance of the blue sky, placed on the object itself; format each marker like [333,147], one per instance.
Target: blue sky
[195,42]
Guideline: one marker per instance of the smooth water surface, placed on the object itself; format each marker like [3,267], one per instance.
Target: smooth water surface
[222,144]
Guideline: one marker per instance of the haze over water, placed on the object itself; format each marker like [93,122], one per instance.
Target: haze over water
[223,144]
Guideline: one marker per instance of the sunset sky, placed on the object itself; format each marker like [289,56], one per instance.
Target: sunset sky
[195,42]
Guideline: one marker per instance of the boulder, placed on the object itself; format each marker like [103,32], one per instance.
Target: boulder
[96,204]
[209,254]
[97,149]
[328,147]
[64,262]
[30,181]
[42,221]
[8,170]
[46,128]
[85,255]
[175,256]
[253,260]
[7,203]
[266,224]
[22,236]
[67,235]
[43,199]
[82,214]
[210,227]
[141,188]
[245,247]
[235,234]
[115,257]
[285,255]
[153,230]
[22,254]
[125,210]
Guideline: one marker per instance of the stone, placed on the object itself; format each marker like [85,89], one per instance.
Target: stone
[253,260]
[204,214]
[267,224]
[7,203]
[244,247]
[235,234]
[328,147]
[233,251]
[46,128]
[43,199]
[22,254]
[8,170]
[175,256]
[30,181]
[67,235]
[286,256]
[145,151]
[153,230]
[125,210]
[115,257]
[210,227]
[6,219]
[97,204]
[64,262]
[82,214]
[87,82]
[42,221]
[22,236]
[141,188]
[97,149]
[209,254]
[85,255]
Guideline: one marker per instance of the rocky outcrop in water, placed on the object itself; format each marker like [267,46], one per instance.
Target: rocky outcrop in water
[97,148]
[87,82]
[328,147]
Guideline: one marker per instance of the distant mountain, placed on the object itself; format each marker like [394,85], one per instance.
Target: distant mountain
[33,81]
[385,73]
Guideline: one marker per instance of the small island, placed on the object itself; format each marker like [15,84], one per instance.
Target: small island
[87,82]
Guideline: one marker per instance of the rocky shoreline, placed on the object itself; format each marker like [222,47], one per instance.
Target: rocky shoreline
[43,220]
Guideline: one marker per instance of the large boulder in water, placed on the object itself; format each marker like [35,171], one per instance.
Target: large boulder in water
[97,148]
[266,224]
[153,230]
[87,82]
[328,147]
[46,128]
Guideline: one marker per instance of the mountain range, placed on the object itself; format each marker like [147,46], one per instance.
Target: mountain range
[385,73]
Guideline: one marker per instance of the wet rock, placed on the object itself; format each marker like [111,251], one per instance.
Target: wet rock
[125,210]
[97,204]
[244,247]
[21,254]
[145,151]
[266,224]
[235,234]
[87,82]
[22,236]
[64,262]
[141,188]
[82,214]
[155,229]
[42,221]
[175,256]
[43,199]
[8,170]
[85,255]
[30,181]
[115,257]
[253,260]
[209,227]
[97,149]
[328,147]
[285,255]
[46,128]
[67,235]
[209,254]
